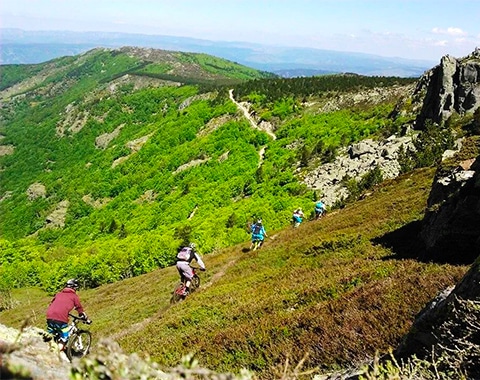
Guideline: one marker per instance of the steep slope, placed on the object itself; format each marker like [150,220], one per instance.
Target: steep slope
[338,289]
[114,158]
[327,294]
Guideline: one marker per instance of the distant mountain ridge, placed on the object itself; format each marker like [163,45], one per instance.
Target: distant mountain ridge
[23,47]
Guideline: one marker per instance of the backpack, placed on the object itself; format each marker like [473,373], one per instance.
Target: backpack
[184,254]
[257,229]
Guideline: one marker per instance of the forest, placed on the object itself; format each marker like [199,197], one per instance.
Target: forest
[181,163]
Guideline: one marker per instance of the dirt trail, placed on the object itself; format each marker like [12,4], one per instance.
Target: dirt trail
[249,117]
[141,325]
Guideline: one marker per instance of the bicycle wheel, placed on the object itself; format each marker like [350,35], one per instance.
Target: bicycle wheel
[195,283]
[177,294]
[79,344]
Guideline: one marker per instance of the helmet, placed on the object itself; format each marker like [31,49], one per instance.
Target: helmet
[72,283]
[259,221]
[192,245]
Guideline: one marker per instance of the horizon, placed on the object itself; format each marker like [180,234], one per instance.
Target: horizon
[420,30]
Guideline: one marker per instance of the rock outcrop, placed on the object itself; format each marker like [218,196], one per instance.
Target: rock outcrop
[447,331]
[453,86]
[24,355]
[56,219]
[450,228]
[36,190]
[354,162]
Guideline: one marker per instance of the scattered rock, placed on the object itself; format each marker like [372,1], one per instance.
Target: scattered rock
[102,141]
[6,150]
[57,218]
[95,203]
[36,190]
[134,146]
[148,196]
[191,164]
[213,125]
[354,162]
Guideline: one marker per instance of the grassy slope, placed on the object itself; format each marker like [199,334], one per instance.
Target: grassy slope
[338,289]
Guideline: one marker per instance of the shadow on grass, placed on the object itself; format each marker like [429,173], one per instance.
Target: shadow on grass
[405,243]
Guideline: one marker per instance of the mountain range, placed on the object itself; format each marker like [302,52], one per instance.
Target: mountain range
[21,47]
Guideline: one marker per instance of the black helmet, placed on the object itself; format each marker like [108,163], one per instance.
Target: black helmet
[72,283]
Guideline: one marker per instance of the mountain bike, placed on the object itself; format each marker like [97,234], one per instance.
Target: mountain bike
[256,244]
[180,289]
[79,340]
[296,222]
[320,212]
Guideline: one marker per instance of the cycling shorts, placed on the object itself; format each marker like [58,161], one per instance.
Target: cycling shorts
[58,328]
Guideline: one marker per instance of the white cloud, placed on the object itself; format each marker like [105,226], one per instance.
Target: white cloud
[451,31]
[441,43]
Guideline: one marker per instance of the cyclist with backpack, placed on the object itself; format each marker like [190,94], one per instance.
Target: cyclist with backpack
[258,234]
[60,306]
[320,209]
[297,217]
[184,257]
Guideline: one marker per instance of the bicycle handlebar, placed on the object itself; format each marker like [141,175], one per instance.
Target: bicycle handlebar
[77,318]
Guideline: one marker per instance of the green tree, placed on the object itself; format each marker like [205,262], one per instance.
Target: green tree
[183,233]
[231,221]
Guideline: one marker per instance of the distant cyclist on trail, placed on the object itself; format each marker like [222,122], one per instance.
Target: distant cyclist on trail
[184,257]
[258,234]
[320,209]
[57,312]
[297,217]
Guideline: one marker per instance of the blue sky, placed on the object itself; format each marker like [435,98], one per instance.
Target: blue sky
[416,29]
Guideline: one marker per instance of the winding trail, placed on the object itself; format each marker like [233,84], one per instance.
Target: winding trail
[141,325]
[249,117]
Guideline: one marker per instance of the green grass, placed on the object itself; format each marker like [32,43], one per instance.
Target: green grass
[339,289]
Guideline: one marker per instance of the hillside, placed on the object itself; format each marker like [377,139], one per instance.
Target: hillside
[336,289]
[113,159]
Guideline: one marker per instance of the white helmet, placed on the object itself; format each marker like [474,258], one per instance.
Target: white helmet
[72,283]
[192,245]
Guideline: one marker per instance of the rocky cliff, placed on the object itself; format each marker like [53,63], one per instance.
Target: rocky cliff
[450,228]
[451,87]
[446,333]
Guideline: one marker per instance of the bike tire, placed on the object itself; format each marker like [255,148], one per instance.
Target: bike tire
[195,283]
[78,344]
[256,245]
[177,295]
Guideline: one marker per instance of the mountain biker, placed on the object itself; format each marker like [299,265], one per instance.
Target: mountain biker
[184,257]
[320,209]
[60,306]
[297,217]
[258,233]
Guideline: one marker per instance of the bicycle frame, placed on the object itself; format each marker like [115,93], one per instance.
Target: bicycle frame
[79,341]
[179,291]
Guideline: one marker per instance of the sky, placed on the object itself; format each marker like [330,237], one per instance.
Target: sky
[413,29]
